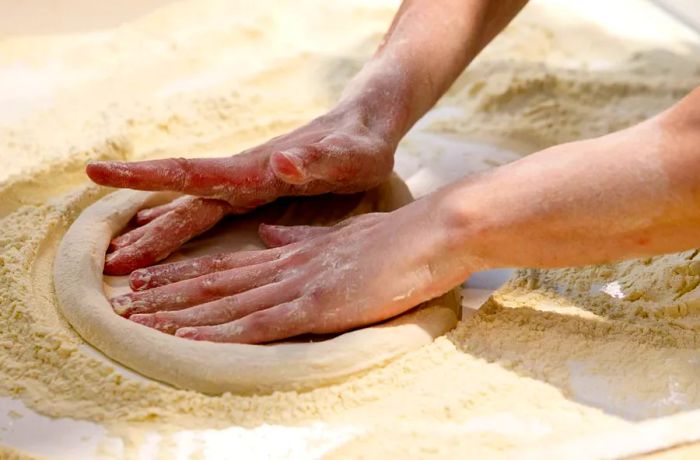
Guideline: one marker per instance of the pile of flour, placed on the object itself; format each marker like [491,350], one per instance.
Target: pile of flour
[553,354]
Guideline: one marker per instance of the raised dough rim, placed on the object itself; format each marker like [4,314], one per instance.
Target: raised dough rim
[234,368]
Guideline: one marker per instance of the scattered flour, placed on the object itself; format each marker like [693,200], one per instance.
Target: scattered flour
[552,355]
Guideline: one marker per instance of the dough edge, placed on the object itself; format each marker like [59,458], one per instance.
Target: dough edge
[208,367]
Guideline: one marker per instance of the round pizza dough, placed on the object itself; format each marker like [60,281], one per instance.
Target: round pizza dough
[302,363]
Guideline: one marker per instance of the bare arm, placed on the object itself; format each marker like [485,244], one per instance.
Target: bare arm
[632,193]
[427,46]
[348,149]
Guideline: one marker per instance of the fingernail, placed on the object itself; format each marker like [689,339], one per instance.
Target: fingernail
[144,214]
[122,305]
[140,279]
[100,164]
[187,333]
[126,306]
[289,166]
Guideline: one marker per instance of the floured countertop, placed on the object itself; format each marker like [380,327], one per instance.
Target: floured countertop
[592,362]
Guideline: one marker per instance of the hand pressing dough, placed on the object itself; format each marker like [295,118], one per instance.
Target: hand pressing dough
[303,363]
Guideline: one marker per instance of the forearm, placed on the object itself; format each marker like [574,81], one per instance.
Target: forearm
[428,45]
[631,193]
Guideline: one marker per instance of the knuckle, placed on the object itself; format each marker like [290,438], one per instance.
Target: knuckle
[312,153]
[181,170]
[276,275]
[315,296]
[211,285]
[229,306]
[258,322]
[293,259]
[216,262]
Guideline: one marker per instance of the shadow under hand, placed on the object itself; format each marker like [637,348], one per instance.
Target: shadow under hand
[631,371]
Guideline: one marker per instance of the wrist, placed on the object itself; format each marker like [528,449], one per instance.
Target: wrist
[464,225]
[384,98]
[444,238]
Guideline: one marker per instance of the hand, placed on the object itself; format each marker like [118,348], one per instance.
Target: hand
[339,152]
[312,280]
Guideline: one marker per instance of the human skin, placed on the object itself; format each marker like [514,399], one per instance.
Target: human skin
[631,193]
[627,194]
[349,149]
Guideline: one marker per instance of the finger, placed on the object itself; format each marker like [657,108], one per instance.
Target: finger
[280,322]
[150,215]
[280,235]
[145,216]
[218,311]
[243,177]
[126,239]
[195,291]
[160,275]
[165,234]
[177,174]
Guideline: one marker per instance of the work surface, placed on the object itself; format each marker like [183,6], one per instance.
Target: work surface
[210,78]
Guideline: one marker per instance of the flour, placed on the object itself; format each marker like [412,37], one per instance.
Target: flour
[664,289]
[11,454]
[539,106]
[554,354]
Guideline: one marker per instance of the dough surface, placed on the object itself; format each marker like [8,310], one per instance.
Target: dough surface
[82,292]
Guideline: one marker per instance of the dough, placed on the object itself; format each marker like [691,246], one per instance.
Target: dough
[82,292]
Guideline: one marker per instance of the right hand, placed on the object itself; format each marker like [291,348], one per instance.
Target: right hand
[338,152]
[317,280]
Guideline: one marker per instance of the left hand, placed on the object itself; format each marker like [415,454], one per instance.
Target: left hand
[312,280]
[342,151]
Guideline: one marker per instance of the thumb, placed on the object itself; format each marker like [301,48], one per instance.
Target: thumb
[280,235]
[292,165]
[327,162]
[349,164]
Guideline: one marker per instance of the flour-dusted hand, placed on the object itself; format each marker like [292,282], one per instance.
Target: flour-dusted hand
[350,149]
[313,280]
[536,212]
[338,152]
